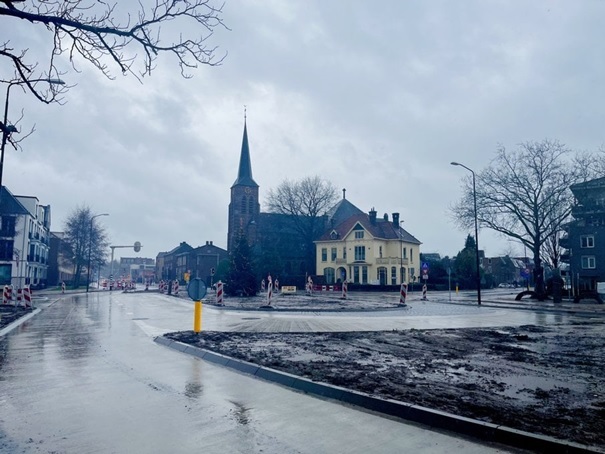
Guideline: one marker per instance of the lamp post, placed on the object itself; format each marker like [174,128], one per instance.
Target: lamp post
[401,253]
[7,129]
[90,248]
[476,232]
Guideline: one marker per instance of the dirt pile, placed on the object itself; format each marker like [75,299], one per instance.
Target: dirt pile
[545,380]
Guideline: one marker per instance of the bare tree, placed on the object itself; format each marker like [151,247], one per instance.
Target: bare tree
[80,235]
[524,194]
[94,31]
[305,201]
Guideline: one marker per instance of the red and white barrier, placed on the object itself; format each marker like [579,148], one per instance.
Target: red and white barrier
[175,288]
[27,296]
[403,294]
[344,291]
[7,294]
[269,292]
[219,293]
[424,292]
[19,296]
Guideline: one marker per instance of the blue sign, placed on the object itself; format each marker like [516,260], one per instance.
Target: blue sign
[196,289]
[425,266]
[524,273]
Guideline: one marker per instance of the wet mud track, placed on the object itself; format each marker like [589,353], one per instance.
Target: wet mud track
[544,380]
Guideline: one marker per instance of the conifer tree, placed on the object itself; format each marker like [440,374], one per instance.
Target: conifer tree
[241,278]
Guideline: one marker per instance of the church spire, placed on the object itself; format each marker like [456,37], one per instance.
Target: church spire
[244,174]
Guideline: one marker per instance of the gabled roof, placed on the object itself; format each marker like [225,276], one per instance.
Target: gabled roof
[9,204]
[380,229]
[244,174]
[342,211]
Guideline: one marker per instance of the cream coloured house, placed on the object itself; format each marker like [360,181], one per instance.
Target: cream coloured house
[364,249]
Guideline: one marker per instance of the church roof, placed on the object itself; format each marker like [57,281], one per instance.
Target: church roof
[244,174]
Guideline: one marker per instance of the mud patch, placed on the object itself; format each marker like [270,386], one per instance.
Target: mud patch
[544,380]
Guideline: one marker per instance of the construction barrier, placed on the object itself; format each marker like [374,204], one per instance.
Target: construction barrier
[219,293]
[269,293]
[175,288]
[344,291]
[19,296]
[7,294]
[424,292]
[403,293]
[288,289]
[27,296]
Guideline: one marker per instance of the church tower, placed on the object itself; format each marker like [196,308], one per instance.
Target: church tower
[244,208]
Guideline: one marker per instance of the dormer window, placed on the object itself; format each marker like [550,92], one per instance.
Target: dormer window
[333,235]
[359,235]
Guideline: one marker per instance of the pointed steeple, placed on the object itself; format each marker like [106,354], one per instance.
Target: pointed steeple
[244,174]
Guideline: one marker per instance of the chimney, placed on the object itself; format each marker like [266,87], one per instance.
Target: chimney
[372,214]
[396,220]
[386,217]
[207,243]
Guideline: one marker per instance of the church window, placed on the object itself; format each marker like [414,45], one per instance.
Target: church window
[251,205]
[244,205]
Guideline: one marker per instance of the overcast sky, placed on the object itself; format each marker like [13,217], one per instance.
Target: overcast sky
[376,97]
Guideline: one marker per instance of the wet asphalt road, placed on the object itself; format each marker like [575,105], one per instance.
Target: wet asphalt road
[84,376]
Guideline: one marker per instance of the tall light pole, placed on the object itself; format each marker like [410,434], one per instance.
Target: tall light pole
[90,248]
[476,232]
[7,129]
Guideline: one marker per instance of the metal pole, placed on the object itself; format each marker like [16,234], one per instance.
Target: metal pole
[478,277]
[6,129]
[90,249]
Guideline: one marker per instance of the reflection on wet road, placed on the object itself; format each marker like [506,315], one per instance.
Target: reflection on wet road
[85,376]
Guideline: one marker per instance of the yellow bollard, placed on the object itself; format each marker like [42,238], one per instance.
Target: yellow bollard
[456,289]
[197,317]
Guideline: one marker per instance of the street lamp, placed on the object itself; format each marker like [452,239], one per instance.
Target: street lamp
[476,232]
[90,248]
[7,129]
[401,253]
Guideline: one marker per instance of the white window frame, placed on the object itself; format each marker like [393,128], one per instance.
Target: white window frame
[589,262]
[587,241]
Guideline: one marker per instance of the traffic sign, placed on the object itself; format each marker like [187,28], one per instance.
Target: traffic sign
[196,289]
[212,271]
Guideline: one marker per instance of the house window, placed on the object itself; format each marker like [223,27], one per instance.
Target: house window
[356,274]
[364,274]
[589,262]
[333,254]
[393,275]
[6,250]
[324,254]
[587,241]
[411,255]
[404,253]
[359,235]
[360,253]
[329,275]
[344,252]
[380,251]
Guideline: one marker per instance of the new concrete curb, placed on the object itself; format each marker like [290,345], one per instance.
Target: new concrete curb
[433,418]
[8,328]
